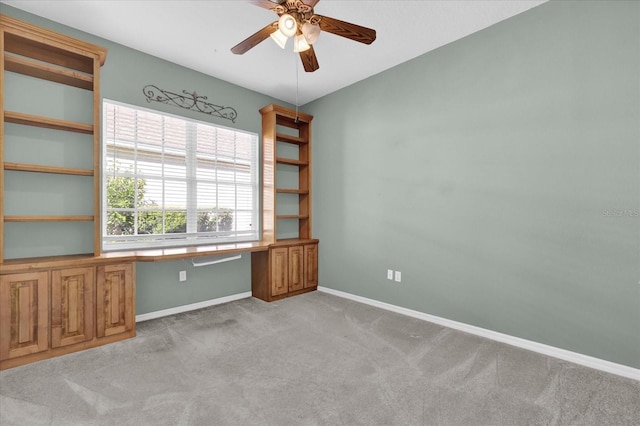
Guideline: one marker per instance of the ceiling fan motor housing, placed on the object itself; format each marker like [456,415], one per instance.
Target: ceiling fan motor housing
[296,8]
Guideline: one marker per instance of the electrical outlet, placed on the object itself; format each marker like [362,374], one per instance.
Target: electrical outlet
[389,274]
[398,276]
[183,275]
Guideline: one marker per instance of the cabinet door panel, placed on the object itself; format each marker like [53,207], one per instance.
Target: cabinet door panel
[24,314]
[296,268]
[114,299]
[72,306]
[279,271]
[310,265]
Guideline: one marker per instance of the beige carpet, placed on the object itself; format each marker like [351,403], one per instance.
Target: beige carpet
[314,359]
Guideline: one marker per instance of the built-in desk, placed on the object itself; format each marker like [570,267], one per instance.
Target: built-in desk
[153,255]
[51,306]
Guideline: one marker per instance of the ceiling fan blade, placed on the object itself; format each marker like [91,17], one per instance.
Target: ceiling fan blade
[348,30]
[309,60]
[270,4]
[267,4]
[254,39]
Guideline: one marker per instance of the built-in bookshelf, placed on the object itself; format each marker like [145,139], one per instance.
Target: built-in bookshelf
[36,52]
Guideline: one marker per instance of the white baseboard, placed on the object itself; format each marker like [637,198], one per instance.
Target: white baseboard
[577,358]
[192,307]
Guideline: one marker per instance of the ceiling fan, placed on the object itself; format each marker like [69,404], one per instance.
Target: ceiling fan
[298,20]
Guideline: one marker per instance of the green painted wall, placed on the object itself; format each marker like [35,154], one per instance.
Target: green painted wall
[158,286]
[124,74]
[501,175]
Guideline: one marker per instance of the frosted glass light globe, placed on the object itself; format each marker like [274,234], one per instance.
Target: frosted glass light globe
[287,25]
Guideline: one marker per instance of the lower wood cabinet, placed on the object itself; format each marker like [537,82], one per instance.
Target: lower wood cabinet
[296,268]
[286,269]
[57,311]
[278,271]
[115,301]
[24,314]
[72,306]
[310,265]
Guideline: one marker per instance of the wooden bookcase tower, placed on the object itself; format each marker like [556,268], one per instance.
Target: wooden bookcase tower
[274,119]
[60,303]
[37,52]
[290,266]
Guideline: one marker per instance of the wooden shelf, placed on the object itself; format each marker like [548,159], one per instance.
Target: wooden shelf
[50,318]
[292,216]
[291,161]
[21,218]
[47,123]
[22,167]
[280,124]
[290,267]
[52,58]
[282,137]
[49,72]
[292,191]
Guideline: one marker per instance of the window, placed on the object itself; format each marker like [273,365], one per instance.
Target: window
[171,181]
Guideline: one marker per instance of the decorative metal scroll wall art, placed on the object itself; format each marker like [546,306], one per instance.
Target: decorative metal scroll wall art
[190,101]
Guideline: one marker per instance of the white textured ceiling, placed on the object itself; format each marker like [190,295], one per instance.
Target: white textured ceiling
[199,34]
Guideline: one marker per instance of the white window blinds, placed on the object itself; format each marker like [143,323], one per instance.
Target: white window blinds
[171,181]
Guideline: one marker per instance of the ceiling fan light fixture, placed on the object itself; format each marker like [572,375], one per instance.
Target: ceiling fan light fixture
[300,44]
[287,25]
[279,38]
[311,32]
[297,18]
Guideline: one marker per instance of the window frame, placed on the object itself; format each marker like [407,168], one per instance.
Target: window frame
[137,241]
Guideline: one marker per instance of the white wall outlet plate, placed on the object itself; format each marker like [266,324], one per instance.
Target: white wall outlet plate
[398,276]
[183,275]
[389,274]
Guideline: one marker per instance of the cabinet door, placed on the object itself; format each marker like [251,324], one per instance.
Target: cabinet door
[310,265]
[296,268]
[115,299]
[24,314]
[279,271]
[72,306]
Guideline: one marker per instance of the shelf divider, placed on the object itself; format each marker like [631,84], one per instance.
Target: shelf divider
[292,191]
[37,168]
[48,218]
[283,137]
[47,122]
[292,216]
[291,161]
[49,72]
